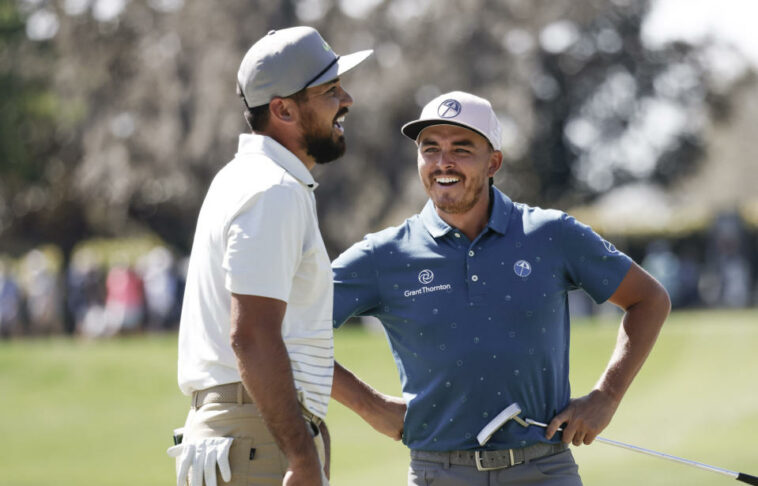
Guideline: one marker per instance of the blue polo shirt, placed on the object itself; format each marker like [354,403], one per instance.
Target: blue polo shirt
[477,325]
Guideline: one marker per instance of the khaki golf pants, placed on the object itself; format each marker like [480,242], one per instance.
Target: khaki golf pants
[254,457]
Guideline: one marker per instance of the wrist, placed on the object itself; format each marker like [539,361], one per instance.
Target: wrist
[607,395]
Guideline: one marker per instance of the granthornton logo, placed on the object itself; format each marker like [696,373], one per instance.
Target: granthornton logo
[425,276]
[522,268]
[449,108]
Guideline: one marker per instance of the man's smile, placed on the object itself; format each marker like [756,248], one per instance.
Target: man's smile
[338,124]
[446,180]
[339,120]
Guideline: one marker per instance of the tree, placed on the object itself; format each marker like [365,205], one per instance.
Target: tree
[611,111]
[140,110]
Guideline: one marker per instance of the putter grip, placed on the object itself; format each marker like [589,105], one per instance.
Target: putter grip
[747,478]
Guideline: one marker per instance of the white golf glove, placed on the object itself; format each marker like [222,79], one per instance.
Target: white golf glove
[203,455]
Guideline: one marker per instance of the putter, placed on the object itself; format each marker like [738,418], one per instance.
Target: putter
[514,407]
[512,411]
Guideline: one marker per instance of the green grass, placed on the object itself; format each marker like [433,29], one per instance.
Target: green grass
[78,412]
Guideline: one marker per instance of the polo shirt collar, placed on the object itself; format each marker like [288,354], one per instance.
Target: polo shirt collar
[501,211]
[434,224]
[498,222]
[252,143]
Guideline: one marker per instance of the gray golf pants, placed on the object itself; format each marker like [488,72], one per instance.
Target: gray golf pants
[556,470]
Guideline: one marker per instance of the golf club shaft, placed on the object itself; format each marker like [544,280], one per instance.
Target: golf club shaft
[662,455]
[733,474]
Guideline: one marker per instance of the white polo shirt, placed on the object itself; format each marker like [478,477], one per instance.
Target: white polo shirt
[257,234]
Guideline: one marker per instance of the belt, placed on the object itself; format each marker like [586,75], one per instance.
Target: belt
[490,460]
[236,393]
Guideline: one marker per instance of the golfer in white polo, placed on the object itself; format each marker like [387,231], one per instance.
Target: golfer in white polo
[255,341]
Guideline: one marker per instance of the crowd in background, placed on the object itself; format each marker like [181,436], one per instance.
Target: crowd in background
[721,277]
[96,299]
[717,268]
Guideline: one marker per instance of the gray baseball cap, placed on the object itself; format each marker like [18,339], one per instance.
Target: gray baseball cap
[285,61]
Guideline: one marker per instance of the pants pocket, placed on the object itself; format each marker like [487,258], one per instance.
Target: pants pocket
[561,465]
[264,463]
[421,473]
[239,462]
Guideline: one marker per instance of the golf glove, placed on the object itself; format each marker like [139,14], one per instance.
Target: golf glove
[202,455]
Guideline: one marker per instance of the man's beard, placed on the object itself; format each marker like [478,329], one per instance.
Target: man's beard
[470,197]
[322,146]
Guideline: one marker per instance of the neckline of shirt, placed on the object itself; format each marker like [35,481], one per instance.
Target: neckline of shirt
[252,143]
[498,222]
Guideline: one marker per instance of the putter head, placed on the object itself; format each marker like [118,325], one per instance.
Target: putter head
[512,411]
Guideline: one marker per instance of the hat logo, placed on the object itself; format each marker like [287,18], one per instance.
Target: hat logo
[449,108]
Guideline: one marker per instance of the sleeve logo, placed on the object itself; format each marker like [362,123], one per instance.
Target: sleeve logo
[609,246]
[522,268]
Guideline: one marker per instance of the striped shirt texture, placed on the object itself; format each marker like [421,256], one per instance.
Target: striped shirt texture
[257,234]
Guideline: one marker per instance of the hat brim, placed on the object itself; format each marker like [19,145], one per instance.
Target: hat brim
[414,128]
[343,65]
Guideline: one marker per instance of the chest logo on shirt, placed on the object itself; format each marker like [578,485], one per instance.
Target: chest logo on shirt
[522,268]
[425,276]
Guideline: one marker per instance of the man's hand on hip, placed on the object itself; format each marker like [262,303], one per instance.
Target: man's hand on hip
[584,418]
[646,305]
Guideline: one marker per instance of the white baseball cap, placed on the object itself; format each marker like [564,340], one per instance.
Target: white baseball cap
[286,61]
[458,108]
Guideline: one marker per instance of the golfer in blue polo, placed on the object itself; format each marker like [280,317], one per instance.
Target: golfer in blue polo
[473,295]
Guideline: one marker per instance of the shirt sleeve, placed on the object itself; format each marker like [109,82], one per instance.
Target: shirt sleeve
[265,243]
[592,263]
[356,288]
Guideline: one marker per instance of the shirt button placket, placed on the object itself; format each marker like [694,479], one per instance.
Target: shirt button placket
[474,287]
[474,278]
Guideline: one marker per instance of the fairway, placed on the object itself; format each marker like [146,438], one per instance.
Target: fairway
[84,413]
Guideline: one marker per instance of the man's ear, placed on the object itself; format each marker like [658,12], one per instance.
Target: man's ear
[283,110]
[496,161]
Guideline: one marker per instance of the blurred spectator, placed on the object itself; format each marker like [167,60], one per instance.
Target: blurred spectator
[43,298]
[161,285]
[85,285]
[727,281]
[10,303]
[95,323]
[124,300]
[689,275]
[711,269]
[664,265]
